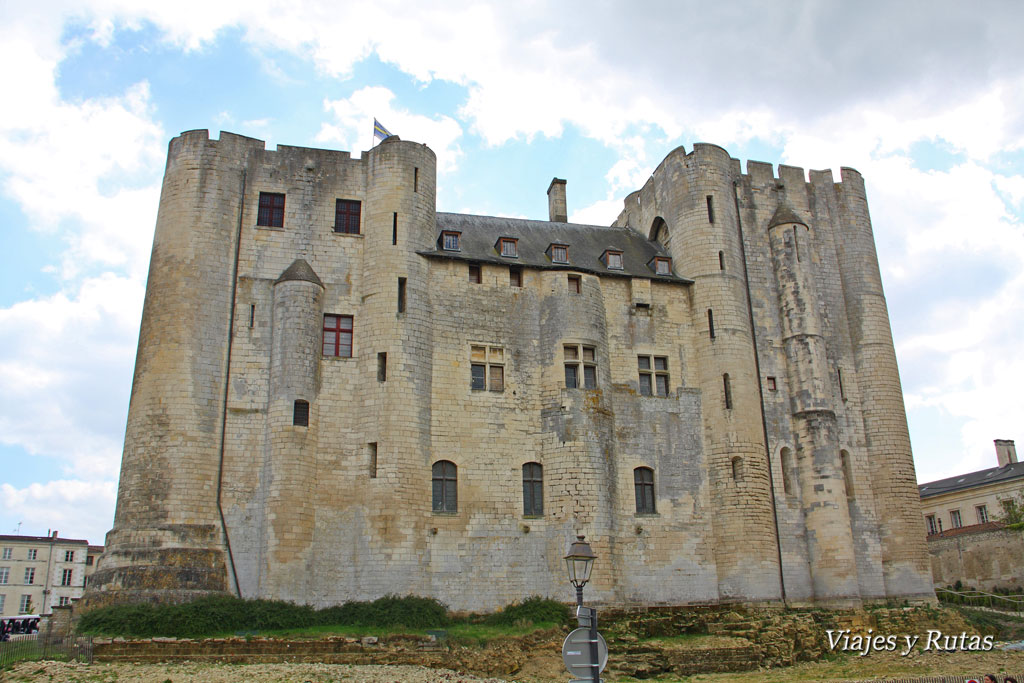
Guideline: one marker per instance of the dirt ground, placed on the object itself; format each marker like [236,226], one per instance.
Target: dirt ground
[876,666]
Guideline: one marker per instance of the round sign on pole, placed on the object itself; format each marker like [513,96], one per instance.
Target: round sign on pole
[576,652]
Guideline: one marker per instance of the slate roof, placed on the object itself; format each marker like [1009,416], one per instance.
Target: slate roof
[784,214]
[1014,470]
[587,243]
[41,539]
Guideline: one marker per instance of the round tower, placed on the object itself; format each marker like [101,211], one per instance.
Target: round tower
[695,195]
[394,336]
[292,431]
[167,542]
[823,492]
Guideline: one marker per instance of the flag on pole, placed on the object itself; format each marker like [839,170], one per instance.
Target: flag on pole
[379,131]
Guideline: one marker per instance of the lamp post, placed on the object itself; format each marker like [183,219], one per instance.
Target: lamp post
[579,562]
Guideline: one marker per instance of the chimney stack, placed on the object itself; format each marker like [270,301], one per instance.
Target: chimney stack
[557,213]
[1006,452]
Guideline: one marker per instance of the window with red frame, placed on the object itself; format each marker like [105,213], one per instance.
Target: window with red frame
[338,336]
[346,216]
[271,211]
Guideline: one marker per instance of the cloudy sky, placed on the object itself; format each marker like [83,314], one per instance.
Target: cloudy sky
[926,99]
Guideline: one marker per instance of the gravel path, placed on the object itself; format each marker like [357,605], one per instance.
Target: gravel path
[188,672]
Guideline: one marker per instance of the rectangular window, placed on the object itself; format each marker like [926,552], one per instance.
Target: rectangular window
[580,360]
[663,266]
[346,216]
[721,260]
[252,314]
[23,606]
[487,368]
[559,253]
[711,323]
[643,487]
[3,600]
[64,601]
[932,527]
[69,555]
[533,489]
[574,284]
[7,553]
[338,336]
[300,413]
[474,274]
[711,208]
[954,519]
[727,391]
[88,560]
[66,576]
[416,179]
[5,574]
[653,375]
[509,247]
[982,514]
[394,228]
[401,295]
[30,575]
[450,241]
[613,259]
[771,384]
[372,449]
[382,367]
[515,276]
[32,552]
[271,210]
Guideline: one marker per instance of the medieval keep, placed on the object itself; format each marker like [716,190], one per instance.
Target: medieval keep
[341,392]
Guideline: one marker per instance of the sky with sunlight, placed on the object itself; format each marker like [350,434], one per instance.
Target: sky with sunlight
[925,99]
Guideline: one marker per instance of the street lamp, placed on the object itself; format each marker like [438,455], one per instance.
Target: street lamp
[579,562]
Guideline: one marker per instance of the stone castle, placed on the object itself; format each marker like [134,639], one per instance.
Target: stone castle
[341,392]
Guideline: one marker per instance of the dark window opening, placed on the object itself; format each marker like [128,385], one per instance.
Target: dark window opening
[737,469]
[271,210]
[252,314]
[643,487]
[721,260]
[444,480]
[401,295]
[787,471]
[771,384]
[796,243]
[844,461]
[382,366]
[574,284]
[727,391]
[477,376]
[515,276]
[711,324]
[300,413]
[842,391]
[346,216]
[474,274]
[416,179]
[576,356]
[533,489]
[372,448]
[711,209]
[394,228]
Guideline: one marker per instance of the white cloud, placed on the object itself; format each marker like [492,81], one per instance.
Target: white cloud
[73,507]
[354,117]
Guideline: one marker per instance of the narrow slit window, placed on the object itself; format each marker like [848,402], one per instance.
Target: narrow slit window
[382,366]
[844,461]
[416,179]
[252,314]
[394,228]
[401,295]
[372,452]
[787,471]
[727,391]
[721,260]
[711,324]
[737,469]
[711,209]
[796,243]
[842,390]
[300,413]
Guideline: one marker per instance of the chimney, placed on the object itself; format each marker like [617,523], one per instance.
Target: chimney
[1006,452]
[557,212]
[54,537]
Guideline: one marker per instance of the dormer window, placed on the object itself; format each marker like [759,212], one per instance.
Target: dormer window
[613,259]
[450,240]
[559,253]
[508,247]
[662,265]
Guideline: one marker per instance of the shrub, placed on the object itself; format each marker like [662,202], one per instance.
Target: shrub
[534,610]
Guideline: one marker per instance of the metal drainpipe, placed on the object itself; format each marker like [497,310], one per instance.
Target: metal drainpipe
[227,386]
[760,388]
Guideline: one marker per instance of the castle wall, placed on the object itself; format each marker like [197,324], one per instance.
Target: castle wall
[762,483]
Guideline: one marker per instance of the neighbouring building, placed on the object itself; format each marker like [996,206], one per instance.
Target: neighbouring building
[341,392]
[965,539]
[38,573]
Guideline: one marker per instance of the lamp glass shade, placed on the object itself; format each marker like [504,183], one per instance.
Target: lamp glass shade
[579,562]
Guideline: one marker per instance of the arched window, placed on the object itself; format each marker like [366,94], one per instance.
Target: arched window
[300,413]
[643,485]
[737,469]
[533,489]
[844,460]
[659,232]
[444,481]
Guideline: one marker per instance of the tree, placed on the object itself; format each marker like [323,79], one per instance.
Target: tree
[1013,512]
